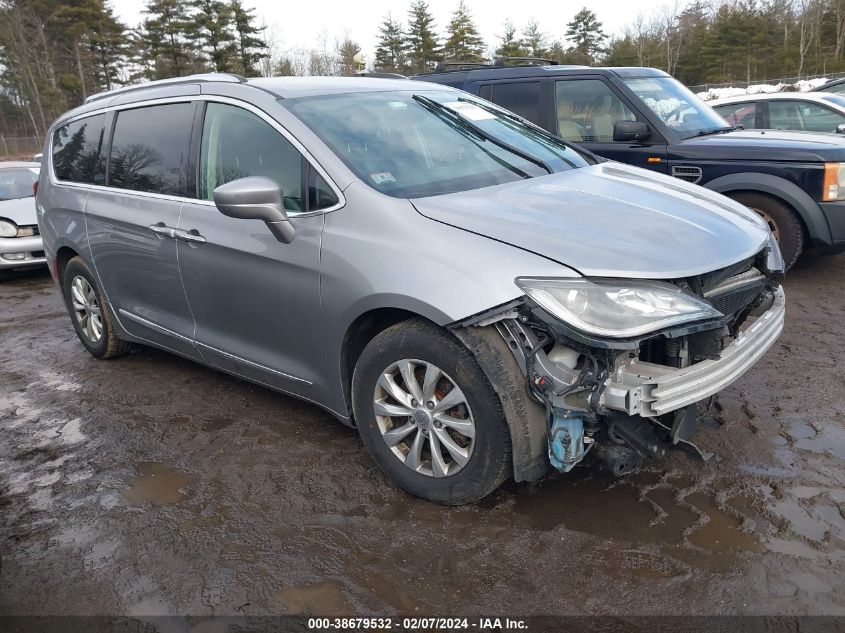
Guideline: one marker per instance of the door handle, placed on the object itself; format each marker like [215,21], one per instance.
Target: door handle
[163,230]
[192,236]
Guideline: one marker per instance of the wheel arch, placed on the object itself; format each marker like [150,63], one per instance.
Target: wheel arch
[63,255]
[808,210]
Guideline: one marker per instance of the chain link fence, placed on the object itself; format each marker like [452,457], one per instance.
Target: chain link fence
[19,147]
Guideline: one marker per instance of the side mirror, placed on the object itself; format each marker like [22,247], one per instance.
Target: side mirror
[256,198]
[840,129]
[629,131]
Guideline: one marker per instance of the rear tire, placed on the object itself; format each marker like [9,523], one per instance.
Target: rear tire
[470,466]
[89,313]
[782,220]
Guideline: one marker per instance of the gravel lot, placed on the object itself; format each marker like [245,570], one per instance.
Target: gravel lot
[150,485]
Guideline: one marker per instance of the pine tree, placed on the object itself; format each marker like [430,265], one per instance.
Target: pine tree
[423,50]
[346,52]
[163,46]
[212,26]
[463,43]
[534,40]
[586,35]
[251,48]
[392,49]
[509,45]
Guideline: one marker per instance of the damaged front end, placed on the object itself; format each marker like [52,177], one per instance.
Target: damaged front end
[626,368]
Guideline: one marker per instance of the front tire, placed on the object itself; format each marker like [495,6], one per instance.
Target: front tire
[428,416]
[782,220]
[90,315]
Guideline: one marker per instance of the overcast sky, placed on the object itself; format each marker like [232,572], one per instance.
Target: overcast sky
[303,23]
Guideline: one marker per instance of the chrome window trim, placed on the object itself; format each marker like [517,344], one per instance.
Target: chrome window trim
[190,98]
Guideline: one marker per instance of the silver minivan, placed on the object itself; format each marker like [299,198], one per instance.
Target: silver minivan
[479,298]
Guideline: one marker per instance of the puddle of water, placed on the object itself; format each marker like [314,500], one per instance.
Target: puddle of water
[830,440]
[722,533]
[603,505]
[798,519]
[801,431]
[324,598]
[156,483]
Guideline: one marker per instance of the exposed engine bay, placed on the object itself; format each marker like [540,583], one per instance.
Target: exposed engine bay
[631,399]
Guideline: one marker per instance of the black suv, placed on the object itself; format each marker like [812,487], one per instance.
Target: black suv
[644,117]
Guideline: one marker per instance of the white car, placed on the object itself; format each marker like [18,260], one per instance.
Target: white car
[20,241]
[803,111]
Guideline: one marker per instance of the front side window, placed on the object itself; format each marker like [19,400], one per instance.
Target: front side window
[676,106]
[522,97]
[78,149]
[17,182]
[743,114]
[587,110]
[413,144]
[236,144]
[801,115]
[149,150]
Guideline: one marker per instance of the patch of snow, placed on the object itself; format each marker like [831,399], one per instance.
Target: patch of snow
[804,85]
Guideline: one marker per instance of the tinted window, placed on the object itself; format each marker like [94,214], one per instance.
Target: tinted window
[237,143]
[150,148]
[522,98]
[738,113]
[77,151]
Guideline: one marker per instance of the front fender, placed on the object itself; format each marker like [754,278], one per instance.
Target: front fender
[808,209]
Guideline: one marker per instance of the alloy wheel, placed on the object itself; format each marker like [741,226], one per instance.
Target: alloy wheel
[424,418]
[86,308]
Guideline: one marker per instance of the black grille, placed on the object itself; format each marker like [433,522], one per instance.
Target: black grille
[734,301]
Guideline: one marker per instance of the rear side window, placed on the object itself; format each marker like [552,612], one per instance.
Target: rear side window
[522,97]
[149,150]
[78,151]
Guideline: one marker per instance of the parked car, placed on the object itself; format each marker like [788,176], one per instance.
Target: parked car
[802,111]
[480,298]
[20,242]
[835,86]
[644,117]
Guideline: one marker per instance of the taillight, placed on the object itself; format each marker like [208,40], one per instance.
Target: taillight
[35,188]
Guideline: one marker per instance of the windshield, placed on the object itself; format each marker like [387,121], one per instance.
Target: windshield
[676,106]
[17,182]
[835,99]
[414,144]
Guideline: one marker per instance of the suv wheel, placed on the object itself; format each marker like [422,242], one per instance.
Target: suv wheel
[782,220]
[91,318]
[428,415]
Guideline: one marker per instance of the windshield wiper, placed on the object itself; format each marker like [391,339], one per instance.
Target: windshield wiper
[438,107]
[717,130]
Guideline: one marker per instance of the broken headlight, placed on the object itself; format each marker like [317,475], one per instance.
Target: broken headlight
[615,308]
[774,258]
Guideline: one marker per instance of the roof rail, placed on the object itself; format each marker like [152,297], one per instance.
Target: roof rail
[378,74]
[498,62]
[445,67]
[187,79]
[524,61]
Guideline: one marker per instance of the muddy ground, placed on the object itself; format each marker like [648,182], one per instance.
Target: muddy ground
[150,485]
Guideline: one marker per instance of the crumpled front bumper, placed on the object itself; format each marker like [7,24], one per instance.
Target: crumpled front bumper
[649,390]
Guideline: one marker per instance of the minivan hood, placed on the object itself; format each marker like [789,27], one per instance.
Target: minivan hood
[609,220]
[21,211]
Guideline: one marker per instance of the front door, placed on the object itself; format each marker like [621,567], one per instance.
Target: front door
[586,111]
[256,300]
[128,225]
